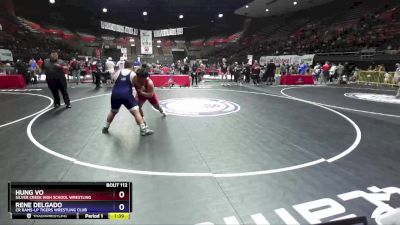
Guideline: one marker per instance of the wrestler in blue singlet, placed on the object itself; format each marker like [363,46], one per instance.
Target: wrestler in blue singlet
[122,92]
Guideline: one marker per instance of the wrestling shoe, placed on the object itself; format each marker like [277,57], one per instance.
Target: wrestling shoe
[164,114]
[105,130]
[146,131]
[56,106]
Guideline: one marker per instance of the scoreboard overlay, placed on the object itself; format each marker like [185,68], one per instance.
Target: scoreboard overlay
[70,200]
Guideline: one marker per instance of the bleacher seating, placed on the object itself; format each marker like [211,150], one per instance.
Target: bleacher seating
[361,27]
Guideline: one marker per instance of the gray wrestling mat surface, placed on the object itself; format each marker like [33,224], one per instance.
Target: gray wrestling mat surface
[224,155]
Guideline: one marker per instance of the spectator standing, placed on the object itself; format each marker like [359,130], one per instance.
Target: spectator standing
[40,67]
[231,71]
[55,77]
[172,67]
[32,64]
[325,72]
[255,73]
[75,70]
[292,70]
[303,68]
[121,64]
[236,72]
[270,72]
[21,69]
[246,72]
[96,71]
[296,68]
[332,73]
[340,72]
[32,70]
[110,69]
[317,71]
[224,69]
[186,69]
[347,70]
[283,69]
[194,74]
[202,68]
[396,79]
[165,70]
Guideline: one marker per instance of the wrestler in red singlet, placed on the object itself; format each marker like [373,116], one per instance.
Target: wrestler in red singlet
[145,90]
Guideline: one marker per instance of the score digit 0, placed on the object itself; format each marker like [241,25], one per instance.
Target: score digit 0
[121,207]
[121,194]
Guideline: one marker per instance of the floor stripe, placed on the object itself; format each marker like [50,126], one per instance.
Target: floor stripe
[29,116]
[286,217]
[304,165]
[358,130]
[19,90]
[231,221]
[334,106]
[259,219]
[345,217]
[358,88]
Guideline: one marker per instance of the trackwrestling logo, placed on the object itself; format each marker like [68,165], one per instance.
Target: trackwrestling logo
[199,107]
[381,201]
[374,97]
[300,81]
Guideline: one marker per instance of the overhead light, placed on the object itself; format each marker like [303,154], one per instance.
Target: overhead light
[220,15]
[158,41]
[158,46]
[52,1]
[133,45]
[105,10]
[180,16]
[294,3]
[266,10]
[247,6]
[132,40]
[144,13]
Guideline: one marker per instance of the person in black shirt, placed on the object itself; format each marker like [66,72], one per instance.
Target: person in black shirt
[237,73]
[194,73]
[270,72]
[231,70]
[55,77]
[186,69]
[255,72]
[21,69]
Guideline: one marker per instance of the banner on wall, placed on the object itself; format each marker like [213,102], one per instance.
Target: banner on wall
[146,42]
[168,32]
[287,59]
[133,31]
[118,28]
[179,31]
[6,55]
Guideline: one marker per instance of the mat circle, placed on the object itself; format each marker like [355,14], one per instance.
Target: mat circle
[198,107]
[382,98]
[202,174]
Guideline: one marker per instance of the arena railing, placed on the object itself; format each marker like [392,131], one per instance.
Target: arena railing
[378,78]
